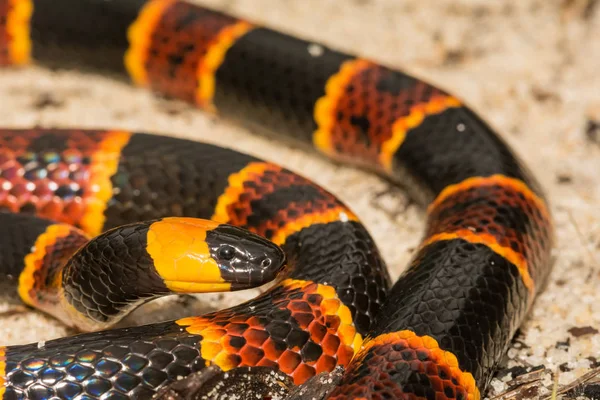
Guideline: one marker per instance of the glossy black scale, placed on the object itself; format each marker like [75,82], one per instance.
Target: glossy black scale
[100,287]
[18,240]
[89,34]
[160,177]
[124,363]
[454,145]
[344,255]
[453,284]
[275,94]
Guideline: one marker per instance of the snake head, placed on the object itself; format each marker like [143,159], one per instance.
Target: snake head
[244,258]
[196,256]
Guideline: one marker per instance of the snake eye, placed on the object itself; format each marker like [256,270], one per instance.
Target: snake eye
[226,252]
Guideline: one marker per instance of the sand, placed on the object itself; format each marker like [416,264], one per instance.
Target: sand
[529,67]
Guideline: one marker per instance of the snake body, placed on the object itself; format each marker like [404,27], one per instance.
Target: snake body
[441,329]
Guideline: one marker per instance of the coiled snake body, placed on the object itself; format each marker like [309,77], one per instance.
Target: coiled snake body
[439,332]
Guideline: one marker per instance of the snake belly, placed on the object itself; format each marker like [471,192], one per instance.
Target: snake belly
[445,323]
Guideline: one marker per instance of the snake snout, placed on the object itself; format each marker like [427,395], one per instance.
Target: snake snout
[267,266]
[244,258]
[261,264]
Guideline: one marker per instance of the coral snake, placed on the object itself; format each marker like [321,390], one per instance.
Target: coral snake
[439,332]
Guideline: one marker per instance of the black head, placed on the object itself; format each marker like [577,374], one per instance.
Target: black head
[244,258]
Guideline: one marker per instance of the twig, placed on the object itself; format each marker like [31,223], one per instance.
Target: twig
[515,392]
[520,384]
[570,386]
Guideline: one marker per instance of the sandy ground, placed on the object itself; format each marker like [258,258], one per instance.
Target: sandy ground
[530,67]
